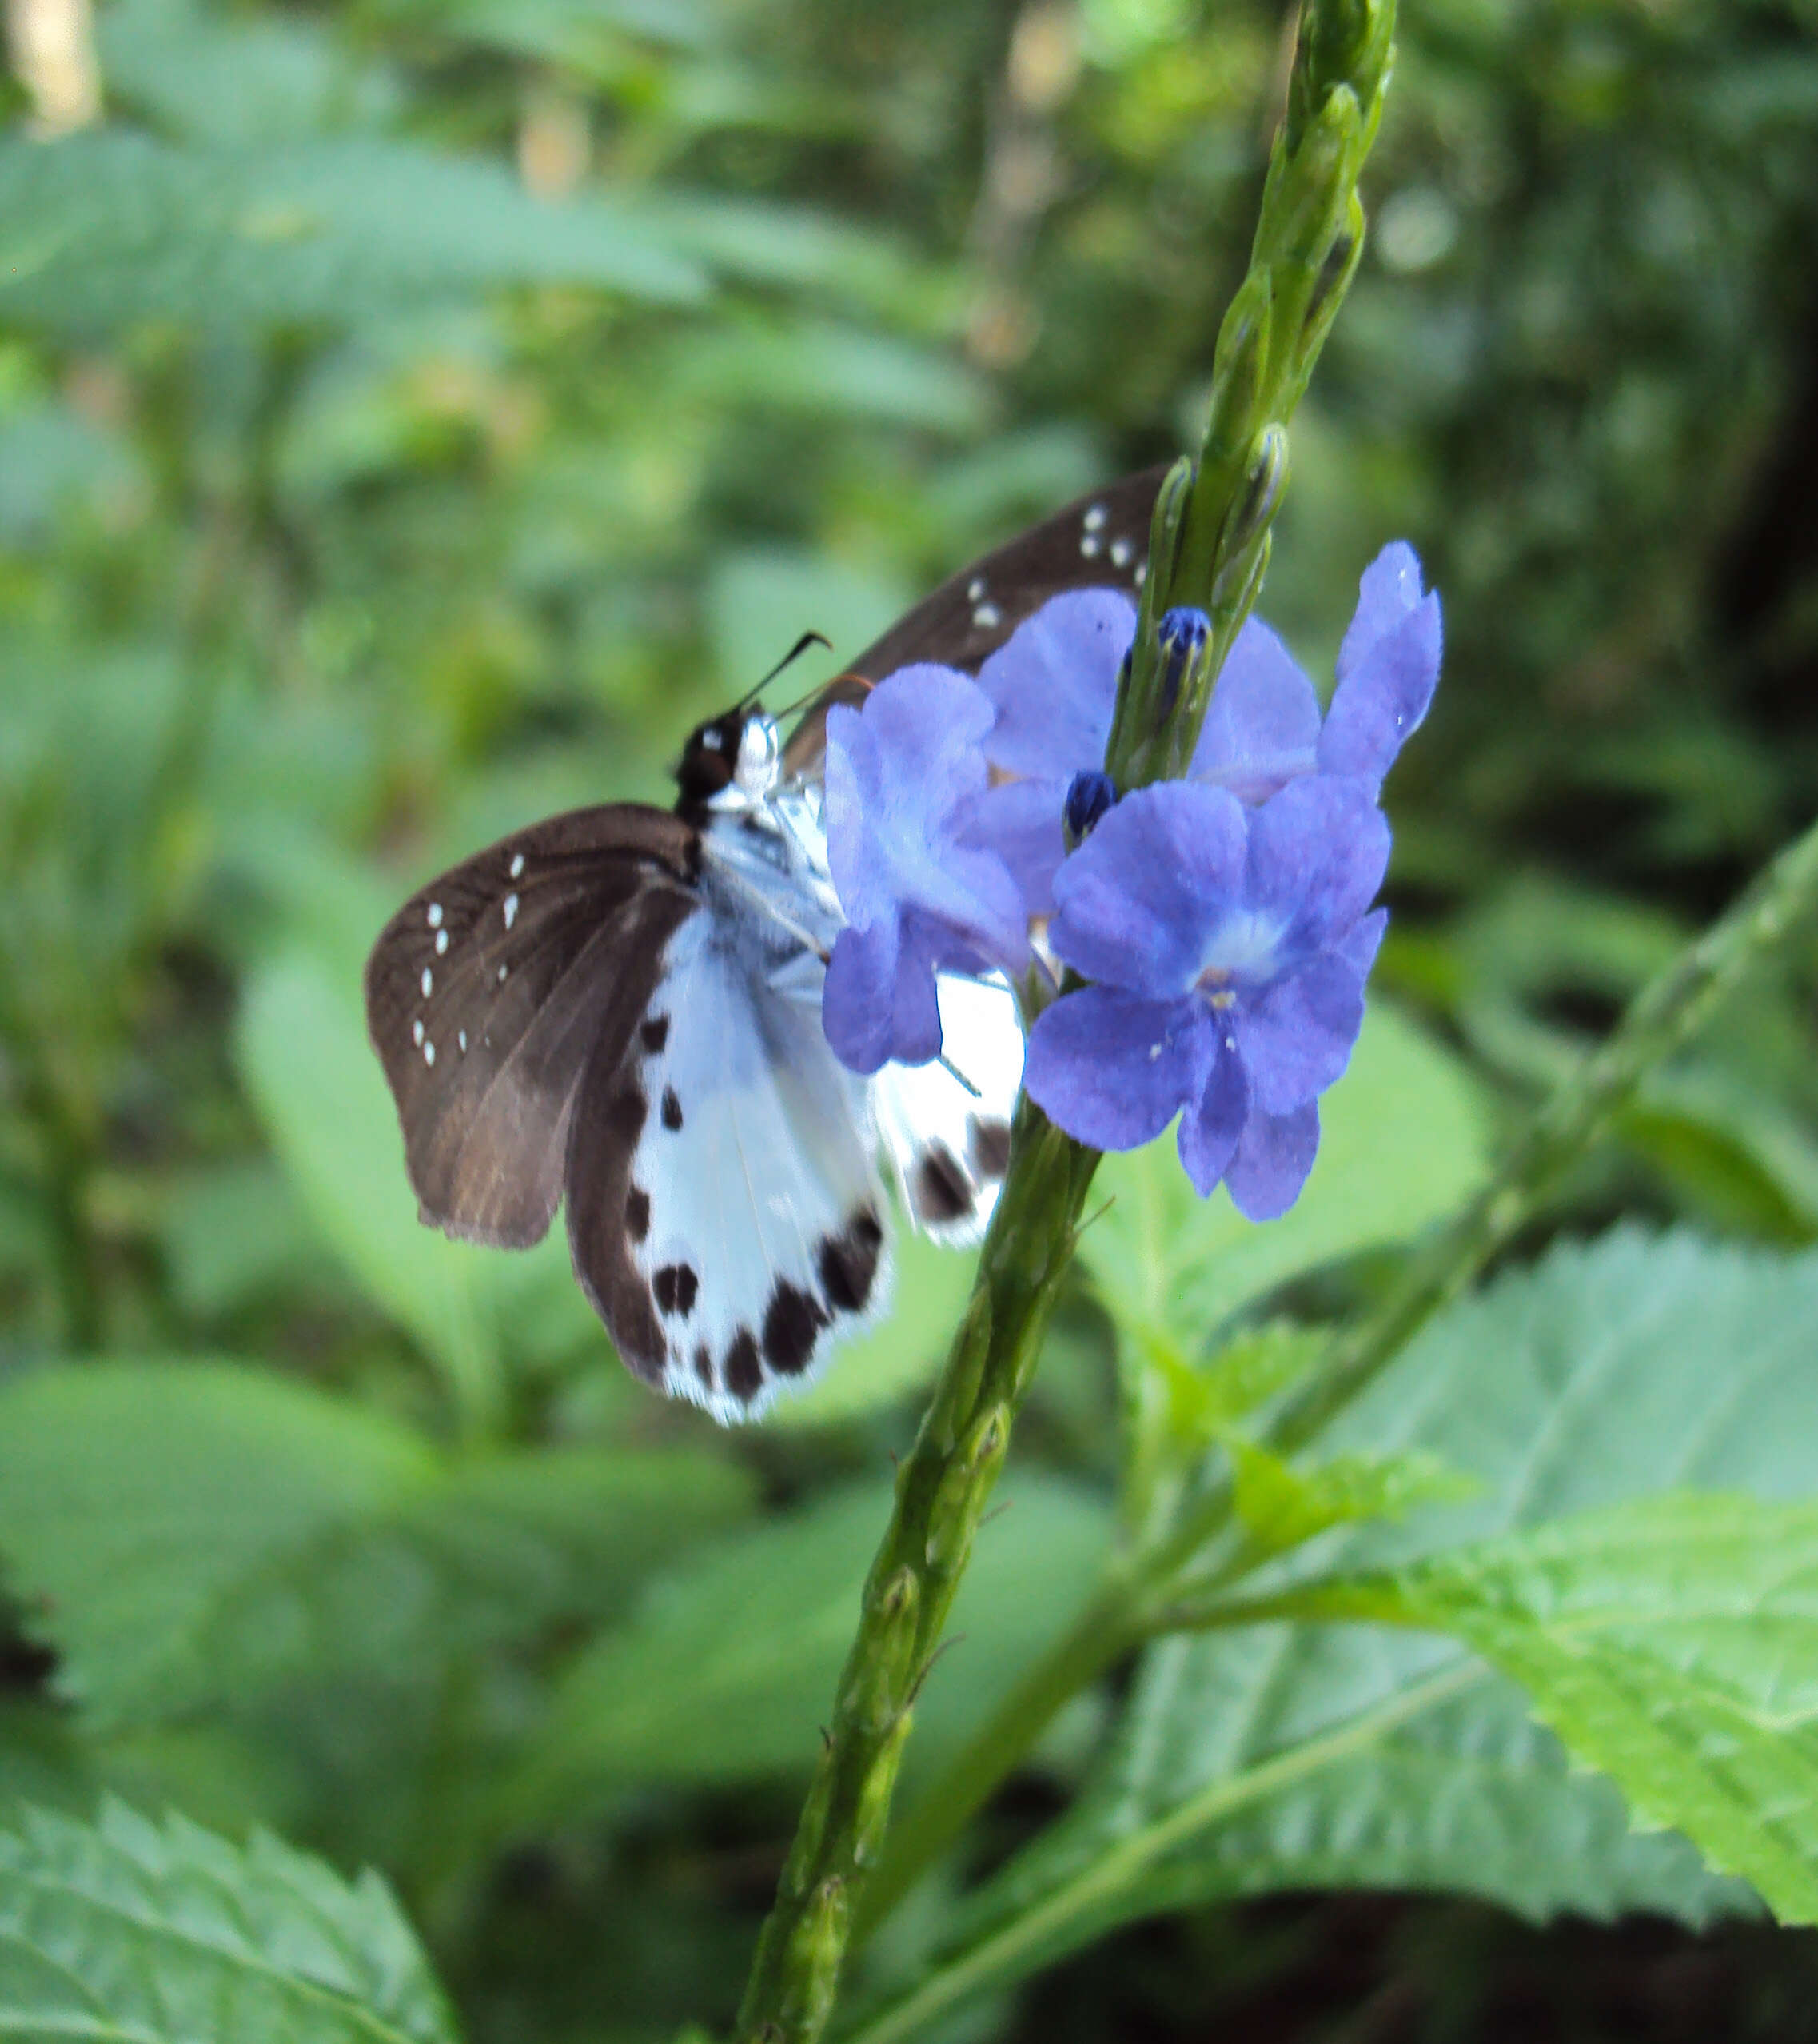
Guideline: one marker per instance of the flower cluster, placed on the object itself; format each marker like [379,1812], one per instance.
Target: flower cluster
[1224,920]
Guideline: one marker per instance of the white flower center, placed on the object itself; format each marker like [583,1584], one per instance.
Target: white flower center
[1243,951]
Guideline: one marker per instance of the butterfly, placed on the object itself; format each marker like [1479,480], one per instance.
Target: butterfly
[620,1007]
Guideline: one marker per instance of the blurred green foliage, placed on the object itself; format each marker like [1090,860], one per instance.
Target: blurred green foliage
[414,414]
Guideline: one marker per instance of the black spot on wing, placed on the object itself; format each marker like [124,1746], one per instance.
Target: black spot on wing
[793,1322]
[744,1372]
[625,1116]
[675,1286]
[988,1142]
[637,1213]
[654,1033]
[939,1189]
[672,1109]
[846,1264]
[704,1365]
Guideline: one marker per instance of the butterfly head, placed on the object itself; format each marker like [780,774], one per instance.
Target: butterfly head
[737,756]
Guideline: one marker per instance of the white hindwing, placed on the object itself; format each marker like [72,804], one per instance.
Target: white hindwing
[765,1241]
[760,1235]
[946,1126]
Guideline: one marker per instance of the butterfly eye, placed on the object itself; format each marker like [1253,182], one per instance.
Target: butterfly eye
[708,762]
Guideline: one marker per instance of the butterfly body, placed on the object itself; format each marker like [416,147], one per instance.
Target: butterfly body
[620,1007]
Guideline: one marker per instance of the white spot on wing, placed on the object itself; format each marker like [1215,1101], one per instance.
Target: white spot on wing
[1142,573]
[1122,552]
[1095,518]
[461,1037]
[435,915]
[503,970]
[517,865]
[987,618]
[442,942]
[428,983]
[429,1053]
[416,1032]
[975,589]
[1090,546]
[511,910]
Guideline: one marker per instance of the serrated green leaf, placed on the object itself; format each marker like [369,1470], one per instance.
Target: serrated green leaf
[1401,1141]
[134,1499]
[729,1666]
[1672,1642]
[1246,1372]
[184,1531]
[1282,1504]
[100,230]
[1279,1756]
[167,1934]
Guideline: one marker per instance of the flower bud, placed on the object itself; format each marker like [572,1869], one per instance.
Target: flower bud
[1184,634]
[1090,795]
[1240,363]
[1264,476]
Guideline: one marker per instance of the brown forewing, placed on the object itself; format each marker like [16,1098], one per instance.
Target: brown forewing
[1101,540]
[554,938]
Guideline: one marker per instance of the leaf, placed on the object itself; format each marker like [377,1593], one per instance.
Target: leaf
[40,1759]
[100,230]
[758,600]
[826,369]
[1282,1504]
[1672,1642]
[133,1500]
[729,1666]
[184,1531]
[1284,1756]
[167,1934]
[1402,1142]
[1246,1372]
[803,250]
[246,81]
[235,1234]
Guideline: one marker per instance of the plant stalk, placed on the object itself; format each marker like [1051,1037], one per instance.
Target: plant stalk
[941,1491]
[1209,547]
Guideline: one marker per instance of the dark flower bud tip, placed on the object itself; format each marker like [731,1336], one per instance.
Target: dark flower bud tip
[1089,797]
[1183,632]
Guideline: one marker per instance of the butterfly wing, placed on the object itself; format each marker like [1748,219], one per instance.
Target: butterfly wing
[490,989]
[723,1208]
[1098,541]
[946,1126]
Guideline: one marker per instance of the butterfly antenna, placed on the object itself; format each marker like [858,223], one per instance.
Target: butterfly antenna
[794,654]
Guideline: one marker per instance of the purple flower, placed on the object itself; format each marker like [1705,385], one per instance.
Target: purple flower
[1230,945]
[1054,684]
[904,775]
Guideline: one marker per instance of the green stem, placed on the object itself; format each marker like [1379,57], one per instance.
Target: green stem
[941,1492]
[1096,1639]
[1662,1019]
[1209,544]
